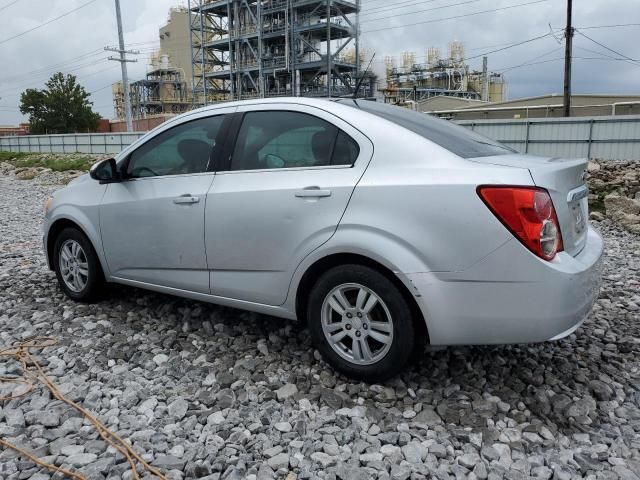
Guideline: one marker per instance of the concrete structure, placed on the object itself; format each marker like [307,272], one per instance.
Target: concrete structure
[545,106]
[262,48]
[174,42]
[166,89]
[437,77]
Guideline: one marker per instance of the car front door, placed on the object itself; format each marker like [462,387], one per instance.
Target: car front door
[289,180]
[152,223]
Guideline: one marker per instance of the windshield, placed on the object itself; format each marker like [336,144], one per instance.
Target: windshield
[459,140]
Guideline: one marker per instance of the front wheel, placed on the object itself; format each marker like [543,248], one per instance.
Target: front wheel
[361,323]
[77,266]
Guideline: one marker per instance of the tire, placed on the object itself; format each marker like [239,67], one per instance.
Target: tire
[87,282]
[385,325]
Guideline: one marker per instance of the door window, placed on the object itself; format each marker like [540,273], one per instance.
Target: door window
[184,149]
[281,139]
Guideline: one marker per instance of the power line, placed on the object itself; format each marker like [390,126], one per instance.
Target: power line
[609,26]
[528,62]
[395,6]
[61,65]
[45,76]
[9,4]
[48,22]
[539,37]
[493,10]
[419,11]
[607,48]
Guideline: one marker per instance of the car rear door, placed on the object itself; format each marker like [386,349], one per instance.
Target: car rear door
[152,223]
[289,179]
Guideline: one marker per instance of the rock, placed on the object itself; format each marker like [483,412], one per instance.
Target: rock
[400,472]
[323,459]
[593,167]
[469,460]
[225,398]
[414,452]
[287,391]
[169,462]
[600,390]
[216,418]
[178,408]
[161,359]
[283,427]
[428,416]
[390,450]
[280,460]
[81,459]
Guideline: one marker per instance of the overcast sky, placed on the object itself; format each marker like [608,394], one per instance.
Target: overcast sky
[74,43]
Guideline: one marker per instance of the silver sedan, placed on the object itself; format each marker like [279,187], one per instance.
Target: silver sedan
[381,228]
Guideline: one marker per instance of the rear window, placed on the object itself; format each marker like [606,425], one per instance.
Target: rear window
[458,140]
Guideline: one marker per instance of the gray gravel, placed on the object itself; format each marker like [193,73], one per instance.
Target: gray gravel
[209,392]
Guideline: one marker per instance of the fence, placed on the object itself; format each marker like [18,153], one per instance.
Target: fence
[609,138]
[72,143]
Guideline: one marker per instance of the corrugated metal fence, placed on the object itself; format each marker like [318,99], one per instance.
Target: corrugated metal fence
[608,138]
[72,143]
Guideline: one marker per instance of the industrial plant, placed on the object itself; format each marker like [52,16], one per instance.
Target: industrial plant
[408,80]
[265,48]
[221,50]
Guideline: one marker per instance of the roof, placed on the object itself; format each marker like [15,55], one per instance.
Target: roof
[444,102]
[557,99]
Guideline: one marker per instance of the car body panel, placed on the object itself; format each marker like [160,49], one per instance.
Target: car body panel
[79,202]
[258,229]
[148,238]
[511,296]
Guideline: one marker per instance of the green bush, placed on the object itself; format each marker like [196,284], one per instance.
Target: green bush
[57,163]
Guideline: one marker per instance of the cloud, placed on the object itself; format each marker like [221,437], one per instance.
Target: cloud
[90,29]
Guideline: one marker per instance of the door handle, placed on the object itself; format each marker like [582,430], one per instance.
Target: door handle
[186,199]
[313,192]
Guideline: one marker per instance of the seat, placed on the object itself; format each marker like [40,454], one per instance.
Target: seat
[322,146]
[195,154]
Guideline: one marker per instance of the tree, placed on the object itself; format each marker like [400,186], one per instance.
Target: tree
[63,107]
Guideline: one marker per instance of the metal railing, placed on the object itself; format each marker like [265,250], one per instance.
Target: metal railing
[609,138]
[96,143]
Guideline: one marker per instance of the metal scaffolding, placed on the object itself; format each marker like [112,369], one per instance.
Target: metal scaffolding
[438,76]
[163,91]
[265,48]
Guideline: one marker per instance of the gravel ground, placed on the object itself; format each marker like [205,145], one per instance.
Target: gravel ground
[204,391]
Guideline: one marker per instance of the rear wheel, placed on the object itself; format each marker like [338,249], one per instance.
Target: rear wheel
[361,323]
[77,266]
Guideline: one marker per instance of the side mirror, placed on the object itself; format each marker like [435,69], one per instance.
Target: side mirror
[105,171]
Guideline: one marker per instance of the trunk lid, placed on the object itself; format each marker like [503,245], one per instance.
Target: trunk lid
[565,180]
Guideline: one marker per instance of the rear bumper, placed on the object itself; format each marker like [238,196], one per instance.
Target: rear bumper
[511,296]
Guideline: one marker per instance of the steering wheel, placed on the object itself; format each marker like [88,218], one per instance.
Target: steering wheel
[139,170]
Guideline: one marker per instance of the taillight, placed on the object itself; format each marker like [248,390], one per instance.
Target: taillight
[529,214]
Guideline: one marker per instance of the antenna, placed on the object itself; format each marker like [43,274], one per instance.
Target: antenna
[359,84]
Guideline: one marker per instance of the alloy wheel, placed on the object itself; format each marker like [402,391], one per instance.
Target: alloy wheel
[357,324]
[74,266]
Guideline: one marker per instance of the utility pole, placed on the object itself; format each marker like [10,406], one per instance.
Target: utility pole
[568,35]
[123,63]
[485,80]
